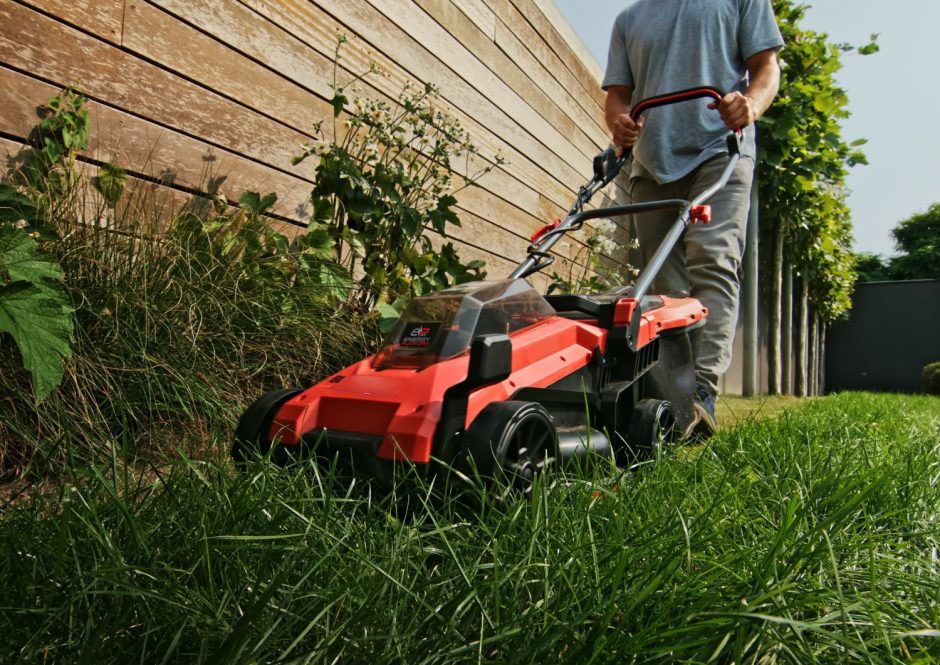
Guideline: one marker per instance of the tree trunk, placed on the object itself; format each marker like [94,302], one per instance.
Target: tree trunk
[812,363]
[786,346]
[823,329]
[801,331]
[773,341]
[750,298]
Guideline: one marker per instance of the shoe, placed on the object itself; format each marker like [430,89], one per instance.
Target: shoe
[704,424]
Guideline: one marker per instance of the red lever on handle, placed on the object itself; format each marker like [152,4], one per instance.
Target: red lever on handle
[545,229]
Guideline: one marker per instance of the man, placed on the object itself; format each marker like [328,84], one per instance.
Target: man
[662,46]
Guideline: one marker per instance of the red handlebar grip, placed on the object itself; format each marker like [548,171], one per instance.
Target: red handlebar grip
[674,97]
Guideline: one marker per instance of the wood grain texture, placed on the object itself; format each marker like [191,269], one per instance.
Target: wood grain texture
[444,47]
[533,15]
[221,93]
[57,53]
[552,103]
[528,179]
[522,42]
[235,24]
[151,151]
[103,18]
[162,37]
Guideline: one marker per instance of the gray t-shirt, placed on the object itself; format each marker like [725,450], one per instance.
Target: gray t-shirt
[661,46]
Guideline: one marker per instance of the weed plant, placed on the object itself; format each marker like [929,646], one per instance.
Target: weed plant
[182,317]
[811,538]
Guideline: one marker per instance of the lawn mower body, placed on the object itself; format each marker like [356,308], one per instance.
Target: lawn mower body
[457,351]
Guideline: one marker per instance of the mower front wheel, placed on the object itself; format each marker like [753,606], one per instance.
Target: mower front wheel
[652,425]
[252,436]
[507,445]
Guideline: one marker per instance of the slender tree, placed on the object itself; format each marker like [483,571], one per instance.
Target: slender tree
[803,161]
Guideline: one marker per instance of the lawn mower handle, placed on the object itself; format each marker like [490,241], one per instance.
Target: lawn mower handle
[607,166]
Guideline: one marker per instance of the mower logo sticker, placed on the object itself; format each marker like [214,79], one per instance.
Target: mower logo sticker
[419,335]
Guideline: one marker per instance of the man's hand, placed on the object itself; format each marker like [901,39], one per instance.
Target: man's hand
[625,131]
[737,110]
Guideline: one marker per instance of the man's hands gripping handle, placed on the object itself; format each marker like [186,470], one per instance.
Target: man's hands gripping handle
[734,109]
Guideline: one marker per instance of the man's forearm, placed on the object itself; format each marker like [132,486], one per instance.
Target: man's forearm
[616,104]
[764,76]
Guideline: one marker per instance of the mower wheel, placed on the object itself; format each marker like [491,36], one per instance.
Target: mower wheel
[251,435]
[652,425]
[507,445]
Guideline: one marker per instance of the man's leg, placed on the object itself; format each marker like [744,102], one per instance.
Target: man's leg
[713,254]
[705,263]
[651,228]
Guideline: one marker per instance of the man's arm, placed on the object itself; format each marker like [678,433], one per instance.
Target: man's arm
[739,110]
[617,113]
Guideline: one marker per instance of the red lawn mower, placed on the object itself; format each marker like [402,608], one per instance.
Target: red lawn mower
[492,378]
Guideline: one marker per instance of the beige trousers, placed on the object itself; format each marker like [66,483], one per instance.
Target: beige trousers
[707,259]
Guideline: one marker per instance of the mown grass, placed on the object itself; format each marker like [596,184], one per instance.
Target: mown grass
[809,538]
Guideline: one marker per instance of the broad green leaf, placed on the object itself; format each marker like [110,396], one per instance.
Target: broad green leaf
[21,260]
[388,317]
[14,206]
[110,183]
[339,102]
[249,201]
[42,329]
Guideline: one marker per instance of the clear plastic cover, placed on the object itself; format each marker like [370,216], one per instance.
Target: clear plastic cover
[442,325]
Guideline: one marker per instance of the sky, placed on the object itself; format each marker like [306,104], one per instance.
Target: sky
[894,98]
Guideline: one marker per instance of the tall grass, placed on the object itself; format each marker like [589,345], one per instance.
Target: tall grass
[811,538]
[175,330]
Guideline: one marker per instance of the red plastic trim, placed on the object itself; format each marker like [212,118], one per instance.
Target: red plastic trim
[545,229]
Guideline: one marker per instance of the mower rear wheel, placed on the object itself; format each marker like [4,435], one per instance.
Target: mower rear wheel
[252,438]
[652,425]
[508,444]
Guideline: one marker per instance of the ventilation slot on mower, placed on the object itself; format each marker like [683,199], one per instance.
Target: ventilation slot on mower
[645,358]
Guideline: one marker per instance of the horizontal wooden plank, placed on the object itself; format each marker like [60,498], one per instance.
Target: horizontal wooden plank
[551,102]
[305,22]
[571,39]
[524,204]
[585,112]
[57,53]
[460,60]
[152,151]
[162,37]
[233,24]
[408,55]
[99,17]
[529,9]
[477,11]
[523,43]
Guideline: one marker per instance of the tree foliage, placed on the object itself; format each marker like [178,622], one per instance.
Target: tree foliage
[917,240]
[803,162]
[871,268]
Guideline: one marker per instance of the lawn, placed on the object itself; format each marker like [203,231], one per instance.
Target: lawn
[809,536]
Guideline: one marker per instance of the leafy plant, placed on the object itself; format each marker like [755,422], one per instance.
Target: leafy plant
[803,161]
[61,134]
[110,183]
[34,309]
[385,191]
[587,273]
[931,376]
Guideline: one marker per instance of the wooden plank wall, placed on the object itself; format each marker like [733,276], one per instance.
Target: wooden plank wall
[218,95]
